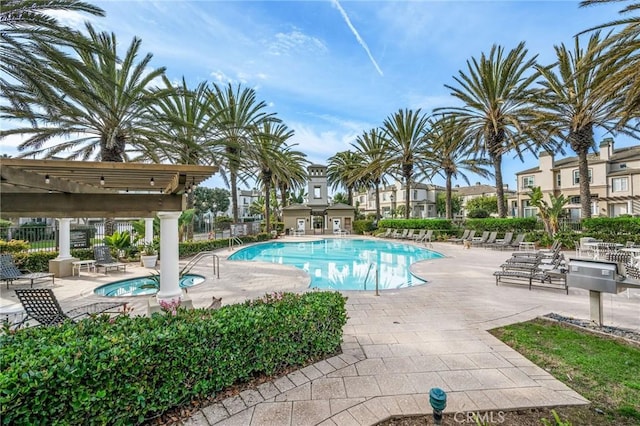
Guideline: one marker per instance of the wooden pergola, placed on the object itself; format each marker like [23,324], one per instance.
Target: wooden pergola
[72,189]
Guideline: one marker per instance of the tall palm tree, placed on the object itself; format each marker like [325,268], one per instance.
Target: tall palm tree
[404,131]
[295,163]
[374,153]
[497,92]
[266,159]
[573,102]
[24,24]
[239,115]
[624,52]
[451,153]
[99,108]
[342,170]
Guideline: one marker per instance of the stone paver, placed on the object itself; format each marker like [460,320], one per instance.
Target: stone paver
[396,347]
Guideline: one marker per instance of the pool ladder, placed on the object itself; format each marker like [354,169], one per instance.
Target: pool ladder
[374,266]
[198,257]
[234,241]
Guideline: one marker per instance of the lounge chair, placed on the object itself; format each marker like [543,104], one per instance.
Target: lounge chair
[479,241]
[105,260]
[465,234]
[419,235]
[409,235]
[492,239]
[387,233]
[504,242]
[515,243]
[402,235]
[40,304]
[9,272]
[469,237]
[426,238]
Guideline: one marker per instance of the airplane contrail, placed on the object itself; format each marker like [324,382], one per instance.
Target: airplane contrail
[355,33]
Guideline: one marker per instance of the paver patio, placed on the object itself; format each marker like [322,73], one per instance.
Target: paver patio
[397,345]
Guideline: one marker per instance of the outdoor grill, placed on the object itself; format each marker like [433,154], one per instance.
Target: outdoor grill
[598,277]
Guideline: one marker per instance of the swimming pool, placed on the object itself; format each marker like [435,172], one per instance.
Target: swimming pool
[344,264]
[140,286]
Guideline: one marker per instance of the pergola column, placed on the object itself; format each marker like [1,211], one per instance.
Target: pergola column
[169,267]
[148,230]
[64,238]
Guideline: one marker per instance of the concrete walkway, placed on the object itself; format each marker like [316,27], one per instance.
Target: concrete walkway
[397,345]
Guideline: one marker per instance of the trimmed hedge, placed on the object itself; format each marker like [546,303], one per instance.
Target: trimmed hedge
[125,370]
[435,224]
[362,226]
[526,224]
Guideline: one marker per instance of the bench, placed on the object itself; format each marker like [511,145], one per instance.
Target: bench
[532,275]
[77,265]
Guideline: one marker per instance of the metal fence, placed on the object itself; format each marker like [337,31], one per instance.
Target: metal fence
[45,237]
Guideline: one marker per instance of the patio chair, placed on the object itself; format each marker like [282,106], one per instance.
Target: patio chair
[492,239]
[409,235]
[105,260]
[470,236]
[465,235]
[426,238]
[40,304]
[504,242]
[9,272]
[479,241]
[515,243]
[387,233]
[419,235]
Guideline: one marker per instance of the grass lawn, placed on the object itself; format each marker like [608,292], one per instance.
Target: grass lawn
[603,370]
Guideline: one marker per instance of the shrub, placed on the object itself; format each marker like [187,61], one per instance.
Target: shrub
[362,226]
[124,370]
[478,213]
[37,261]
[13,246]
[435,224]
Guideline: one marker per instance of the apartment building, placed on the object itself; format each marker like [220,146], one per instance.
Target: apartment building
[468,193]
[422,203]
[614,176]
[245,198]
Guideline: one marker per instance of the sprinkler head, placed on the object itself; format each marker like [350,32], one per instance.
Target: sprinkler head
[438,401]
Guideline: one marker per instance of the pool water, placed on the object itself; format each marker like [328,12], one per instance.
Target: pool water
[140,286]
[344,264]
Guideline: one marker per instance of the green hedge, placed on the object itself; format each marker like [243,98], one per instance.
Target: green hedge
[124,370]
[526,224]
[613,229]
[435,224]
[362,226]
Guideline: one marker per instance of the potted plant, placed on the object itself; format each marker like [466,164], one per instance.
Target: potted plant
[148,255]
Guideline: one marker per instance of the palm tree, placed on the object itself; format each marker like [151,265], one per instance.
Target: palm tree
[549,213]
[238,117]
[573,102]
[342,170]
[451,152]
[295,164]
[266,159]
[24,25]
[496,93]
[374,154]
[624,52]
[99,108]
[404,132]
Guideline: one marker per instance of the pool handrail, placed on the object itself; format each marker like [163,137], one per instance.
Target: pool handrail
[198,257]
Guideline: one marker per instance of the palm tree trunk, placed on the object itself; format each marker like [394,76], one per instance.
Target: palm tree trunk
[267,204]
[234,194]
[378,215]
[448,209]
[350,196]
[497,165]
[407,193]
[585,190]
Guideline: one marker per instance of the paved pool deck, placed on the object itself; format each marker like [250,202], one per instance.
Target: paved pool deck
[396,346]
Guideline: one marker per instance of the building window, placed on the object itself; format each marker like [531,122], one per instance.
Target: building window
[558,180]
[415,194]
[574,200]
[576,176]
[245,201]
[528,210]
[316,192]
[619,184]
[527,182]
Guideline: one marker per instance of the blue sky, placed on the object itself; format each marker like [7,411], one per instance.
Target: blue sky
[332,70]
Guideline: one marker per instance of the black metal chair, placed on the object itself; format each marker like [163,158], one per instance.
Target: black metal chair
[9,272]
[42,306]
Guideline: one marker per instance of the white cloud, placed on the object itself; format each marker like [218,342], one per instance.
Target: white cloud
[295,42]
[319,145]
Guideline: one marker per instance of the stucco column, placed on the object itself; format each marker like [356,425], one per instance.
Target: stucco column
[169,267]
[148,230]
[64,238]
